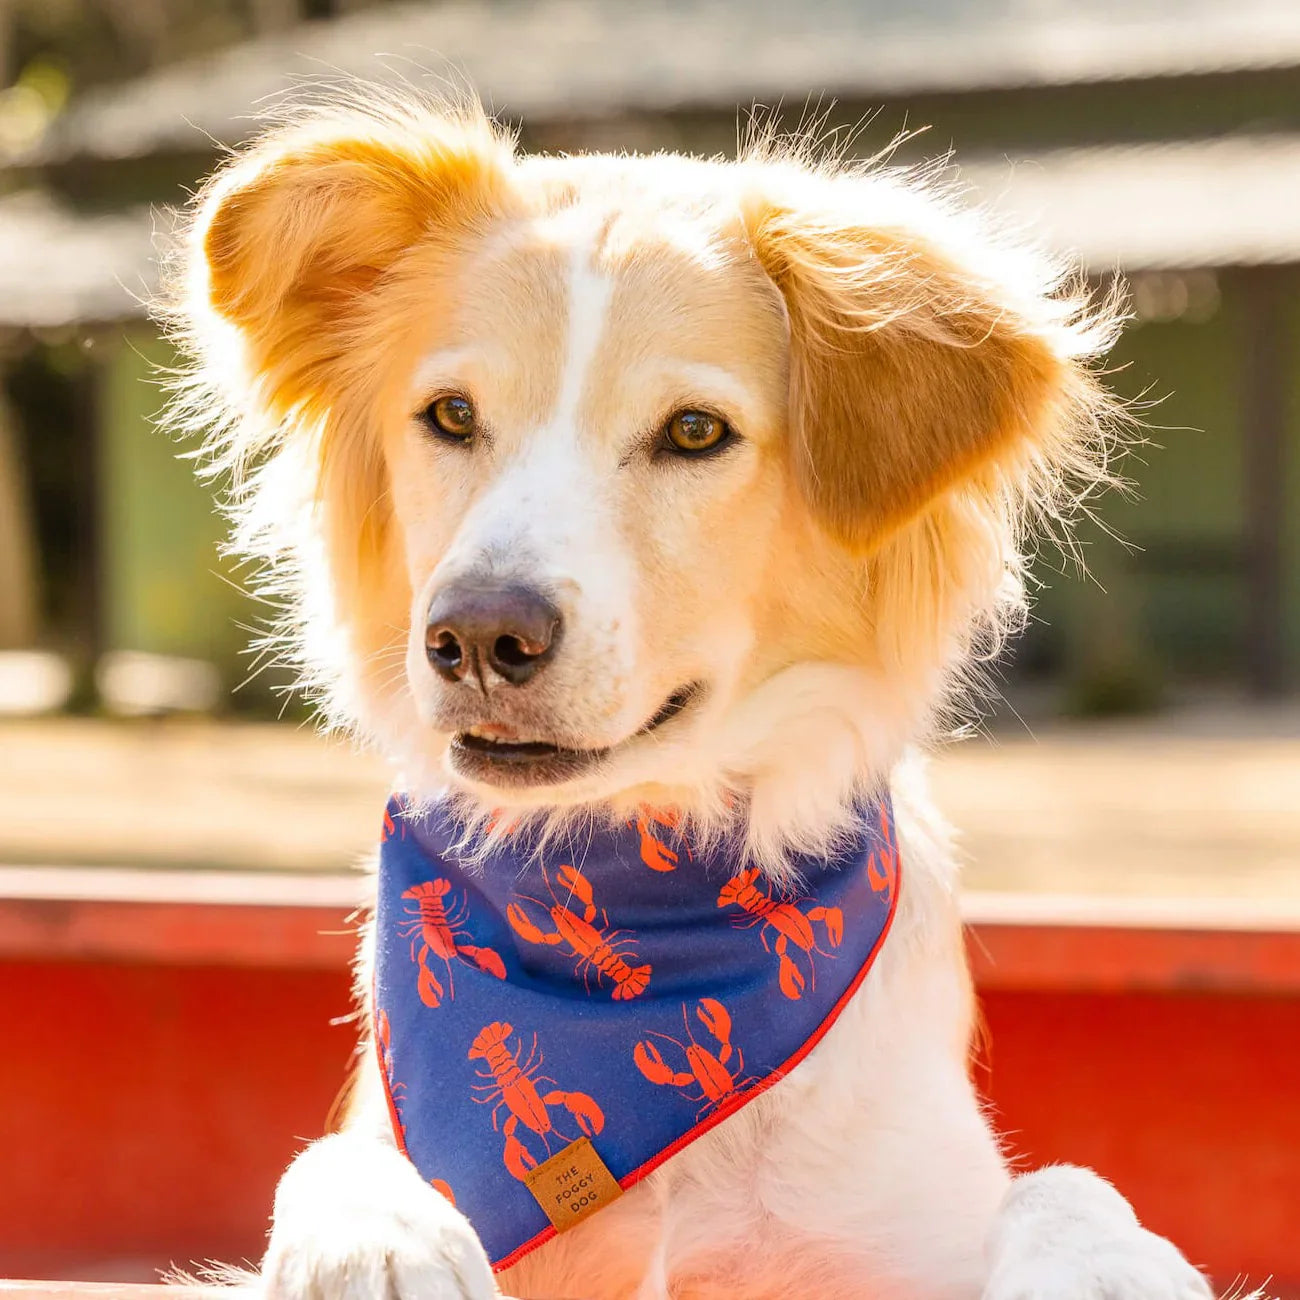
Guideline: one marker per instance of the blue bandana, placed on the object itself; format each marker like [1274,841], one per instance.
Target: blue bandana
[552,1025]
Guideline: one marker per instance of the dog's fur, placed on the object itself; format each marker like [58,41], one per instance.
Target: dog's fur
[910,392]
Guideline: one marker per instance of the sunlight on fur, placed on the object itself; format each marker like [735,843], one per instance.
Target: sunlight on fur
[754,454]
[942,407]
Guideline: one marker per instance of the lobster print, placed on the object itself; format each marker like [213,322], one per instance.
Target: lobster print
[654,852]
[438,919]
[652,987]
[783,918]
[596,947]
[706,1069]
[882,864]
[390,827]
[512,1085]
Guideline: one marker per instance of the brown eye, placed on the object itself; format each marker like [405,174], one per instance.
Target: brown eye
[694,432]
[452,417]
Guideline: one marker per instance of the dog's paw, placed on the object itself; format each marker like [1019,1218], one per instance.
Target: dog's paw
[1066,1234]
[354,1221]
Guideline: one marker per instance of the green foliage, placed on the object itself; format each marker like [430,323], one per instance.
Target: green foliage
[96,41]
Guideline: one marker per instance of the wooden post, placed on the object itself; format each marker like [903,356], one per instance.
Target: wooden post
[1264,403]
[18,594]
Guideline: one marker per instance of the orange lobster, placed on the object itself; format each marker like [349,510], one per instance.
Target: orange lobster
[513,1085]
[707,1070]
[439,919]
[395,825]
[595,946]
[792,926]
[654,852]
[882,872]
[501,823]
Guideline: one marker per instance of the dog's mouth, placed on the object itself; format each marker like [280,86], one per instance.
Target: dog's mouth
[488,754]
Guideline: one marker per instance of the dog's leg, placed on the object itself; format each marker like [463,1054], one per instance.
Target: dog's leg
[1064,1233]
[354,1221]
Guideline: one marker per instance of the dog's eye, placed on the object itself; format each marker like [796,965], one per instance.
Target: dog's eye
[695,432]
[451,417]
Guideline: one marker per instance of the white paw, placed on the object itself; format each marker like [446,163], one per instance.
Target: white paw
[354,1221]
[1066,1234]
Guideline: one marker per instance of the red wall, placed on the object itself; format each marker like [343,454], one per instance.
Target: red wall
[147,1109]
[1189,1103]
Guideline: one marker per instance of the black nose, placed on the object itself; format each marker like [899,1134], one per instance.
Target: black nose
[481,629]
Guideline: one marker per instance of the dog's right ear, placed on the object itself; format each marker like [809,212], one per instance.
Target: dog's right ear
[309,219]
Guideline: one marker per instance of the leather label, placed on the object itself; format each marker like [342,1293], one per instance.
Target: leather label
[572,1185]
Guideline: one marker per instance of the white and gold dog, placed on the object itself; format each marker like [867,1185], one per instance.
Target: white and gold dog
[602,482]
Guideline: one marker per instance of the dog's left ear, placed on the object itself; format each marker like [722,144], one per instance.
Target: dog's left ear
[910,372]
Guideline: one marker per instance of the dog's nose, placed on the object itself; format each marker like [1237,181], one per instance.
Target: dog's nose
[479,629]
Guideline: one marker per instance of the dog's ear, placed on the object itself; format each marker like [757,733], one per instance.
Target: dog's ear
[305,222]
[910,372]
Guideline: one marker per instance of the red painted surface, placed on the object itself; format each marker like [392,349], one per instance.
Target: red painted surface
[1159,959]
[30,1290]
[1189,1103]
[147,1110]
[162,1064]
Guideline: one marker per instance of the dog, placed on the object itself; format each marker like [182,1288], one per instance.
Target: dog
[599,484]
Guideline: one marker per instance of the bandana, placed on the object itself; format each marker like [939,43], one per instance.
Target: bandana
[553,1022]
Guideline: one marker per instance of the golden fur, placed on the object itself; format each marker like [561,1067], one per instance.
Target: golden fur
[939,384]
[909,391]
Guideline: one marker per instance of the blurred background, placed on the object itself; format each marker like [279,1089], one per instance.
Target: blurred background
[1159,139]
[1139,775]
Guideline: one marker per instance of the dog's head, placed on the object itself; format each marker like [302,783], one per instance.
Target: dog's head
[606,475]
